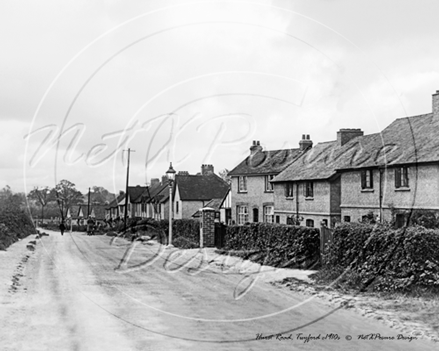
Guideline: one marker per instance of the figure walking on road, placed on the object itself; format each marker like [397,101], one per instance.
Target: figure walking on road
[62,228]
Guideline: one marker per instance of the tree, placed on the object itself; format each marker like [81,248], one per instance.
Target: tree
[224,175]
[42,196]
[66,196]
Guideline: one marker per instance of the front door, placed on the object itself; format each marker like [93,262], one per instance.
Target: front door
[255,215]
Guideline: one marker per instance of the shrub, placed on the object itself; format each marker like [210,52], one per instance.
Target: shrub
[275,244]
[15,223]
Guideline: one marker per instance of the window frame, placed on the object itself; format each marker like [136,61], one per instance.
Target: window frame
[401,179]
[268,186]
[367,179]
[242,180]
[308,221]
[242,216]
[268,217]
[308,189]
[289,189]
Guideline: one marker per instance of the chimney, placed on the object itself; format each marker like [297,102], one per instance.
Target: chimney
[207,169]
[305,143]
[345,135]
[435,103]
[154,182]
[164,180]
[256,147]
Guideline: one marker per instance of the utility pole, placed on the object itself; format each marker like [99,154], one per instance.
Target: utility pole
[126,188]
[88,205]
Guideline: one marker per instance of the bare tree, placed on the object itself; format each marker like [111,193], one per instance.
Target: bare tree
[42,196]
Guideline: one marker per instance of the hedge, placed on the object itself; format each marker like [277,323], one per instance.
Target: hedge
[382,258]
[186,232]
[276,245]
[15,224]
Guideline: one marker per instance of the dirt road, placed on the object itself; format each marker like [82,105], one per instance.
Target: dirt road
[67,295]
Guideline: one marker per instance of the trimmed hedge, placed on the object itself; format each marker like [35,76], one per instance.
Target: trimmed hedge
[15,224]
[276,245]
[383,258]
[186,232]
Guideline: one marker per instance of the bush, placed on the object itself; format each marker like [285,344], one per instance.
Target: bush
[15,223]
[275,244]
[382,258]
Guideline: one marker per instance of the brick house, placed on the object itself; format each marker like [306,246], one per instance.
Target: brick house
[308,192]
[193,192]
[252,193]
[396,171]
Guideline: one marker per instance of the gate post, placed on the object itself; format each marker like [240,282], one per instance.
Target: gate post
[207,227]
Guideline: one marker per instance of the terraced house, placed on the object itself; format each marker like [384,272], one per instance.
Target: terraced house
[252,192]
[385,176]
[396,172]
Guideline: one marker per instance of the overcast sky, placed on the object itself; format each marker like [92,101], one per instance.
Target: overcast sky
[194,82]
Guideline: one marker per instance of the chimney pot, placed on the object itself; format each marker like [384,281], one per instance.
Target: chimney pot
[305,143]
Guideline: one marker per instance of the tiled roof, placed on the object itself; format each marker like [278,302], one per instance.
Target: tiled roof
[115,201]
[214,204]
[201,187]
[406,140]
[153,193]
[135,193]
[266,162]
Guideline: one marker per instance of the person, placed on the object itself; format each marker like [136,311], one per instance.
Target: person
[90,225]
[62,227]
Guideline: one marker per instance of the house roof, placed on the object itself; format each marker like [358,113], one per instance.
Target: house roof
[153,193]
[201,187]
[135,193]
[406,140]
[266,162]
[214,204]
[115,201]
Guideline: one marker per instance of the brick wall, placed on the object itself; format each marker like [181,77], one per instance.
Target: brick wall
[208,227]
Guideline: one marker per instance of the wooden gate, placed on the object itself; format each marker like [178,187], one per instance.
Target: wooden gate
[219,235]
[326,237]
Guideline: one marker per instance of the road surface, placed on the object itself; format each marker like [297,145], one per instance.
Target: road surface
[73,293]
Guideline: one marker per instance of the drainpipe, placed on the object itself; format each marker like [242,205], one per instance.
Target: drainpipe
[297,200]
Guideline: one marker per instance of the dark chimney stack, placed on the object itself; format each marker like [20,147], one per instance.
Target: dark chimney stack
[207,169]
[305,143]
[256,147]
[164,180]
[345,135]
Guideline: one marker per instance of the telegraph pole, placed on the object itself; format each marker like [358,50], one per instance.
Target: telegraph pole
[126,188]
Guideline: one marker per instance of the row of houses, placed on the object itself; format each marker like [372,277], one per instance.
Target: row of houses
[189,194]
[385,175]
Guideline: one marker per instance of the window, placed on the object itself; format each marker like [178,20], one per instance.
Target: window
[289,189]
[347,218]
[277,219]
[268,214]
[242,184]
[324,223]
[400,220]
[177,206]
[367,179]
[242,214]
[401,177]
[308,189]
[268,185]
[310,223]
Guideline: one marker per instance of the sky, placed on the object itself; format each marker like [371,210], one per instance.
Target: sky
[195,82]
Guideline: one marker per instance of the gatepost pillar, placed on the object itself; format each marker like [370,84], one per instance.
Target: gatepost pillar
[207,227]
